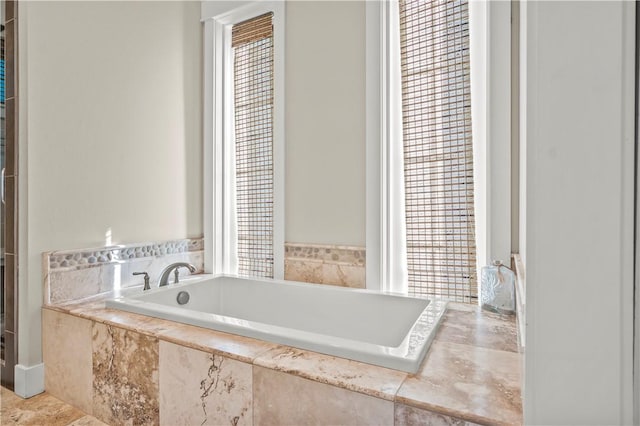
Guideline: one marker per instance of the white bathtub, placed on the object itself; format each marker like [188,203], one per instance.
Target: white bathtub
[387,330]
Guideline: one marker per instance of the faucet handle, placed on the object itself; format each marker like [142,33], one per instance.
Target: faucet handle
[147,286]
[176,274]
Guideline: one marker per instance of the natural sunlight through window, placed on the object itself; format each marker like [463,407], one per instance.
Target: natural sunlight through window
[252,43]
[438,157]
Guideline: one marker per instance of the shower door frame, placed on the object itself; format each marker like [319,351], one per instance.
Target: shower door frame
[10,197]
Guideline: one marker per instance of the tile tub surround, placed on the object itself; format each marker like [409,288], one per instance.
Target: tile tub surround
[471,375]
[125,376]
[325,264]
[75,274]
[202,388]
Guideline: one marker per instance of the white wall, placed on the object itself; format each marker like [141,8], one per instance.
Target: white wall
[490,50]
[522,133]
[325,122]
[578,211]
[110,132]
[325,119]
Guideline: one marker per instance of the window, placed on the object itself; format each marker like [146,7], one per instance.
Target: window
[252,43]
[420,232]
[438,154]
[421,193]
[244,138]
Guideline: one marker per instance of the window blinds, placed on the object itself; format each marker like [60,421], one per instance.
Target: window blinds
[438,158]
[252,43]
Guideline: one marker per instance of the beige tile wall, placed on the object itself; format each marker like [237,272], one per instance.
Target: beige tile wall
[126,377]
[200,388]
[325,264]
[405,415]
[67,353]
[281,398]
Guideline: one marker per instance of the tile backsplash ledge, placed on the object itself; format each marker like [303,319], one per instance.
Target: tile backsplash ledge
[75,274]
[96,256]
[350,255]
[325,264]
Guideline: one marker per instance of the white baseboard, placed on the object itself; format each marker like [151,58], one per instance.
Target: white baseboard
[29,381]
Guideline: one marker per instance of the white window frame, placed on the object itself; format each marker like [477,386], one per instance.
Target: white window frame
[219,230]
[385,266]
[490,26]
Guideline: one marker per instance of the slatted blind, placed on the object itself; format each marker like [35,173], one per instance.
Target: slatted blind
[252,43]
[438,158]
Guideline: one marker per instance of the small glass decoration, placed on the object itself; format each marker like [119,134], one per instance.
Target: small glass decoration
[497,292]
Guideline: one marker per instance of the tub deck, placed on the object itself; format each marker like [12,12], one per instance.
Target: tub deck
[471,373]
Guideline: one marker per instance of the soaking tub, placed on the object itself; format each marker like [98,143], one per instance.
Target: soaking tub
[382,329]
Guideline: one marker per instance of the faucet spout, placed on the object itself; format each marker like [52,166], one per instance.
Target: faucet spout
[164,275]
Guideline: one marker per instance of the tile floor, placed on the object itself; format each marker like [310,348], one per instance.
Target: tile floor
[42,410]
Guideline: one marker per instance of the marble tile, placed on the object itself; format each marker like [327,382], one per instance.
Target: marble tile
[82,308]
[76,283]
[101,255]
[39,410]
[379,382]
[142,324]
[125,372]
[303,271]
[283,399]
[355,277]
[232,346]
[344,275]
[76,274]
[200,388]
[9,399]
[467,382]
[473,307]
[346,255]
[479,328]
[66,351]
[465,307]
[325,264]
[87,421]
[412,416]
[96,301]
[67,285]
[320,272]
